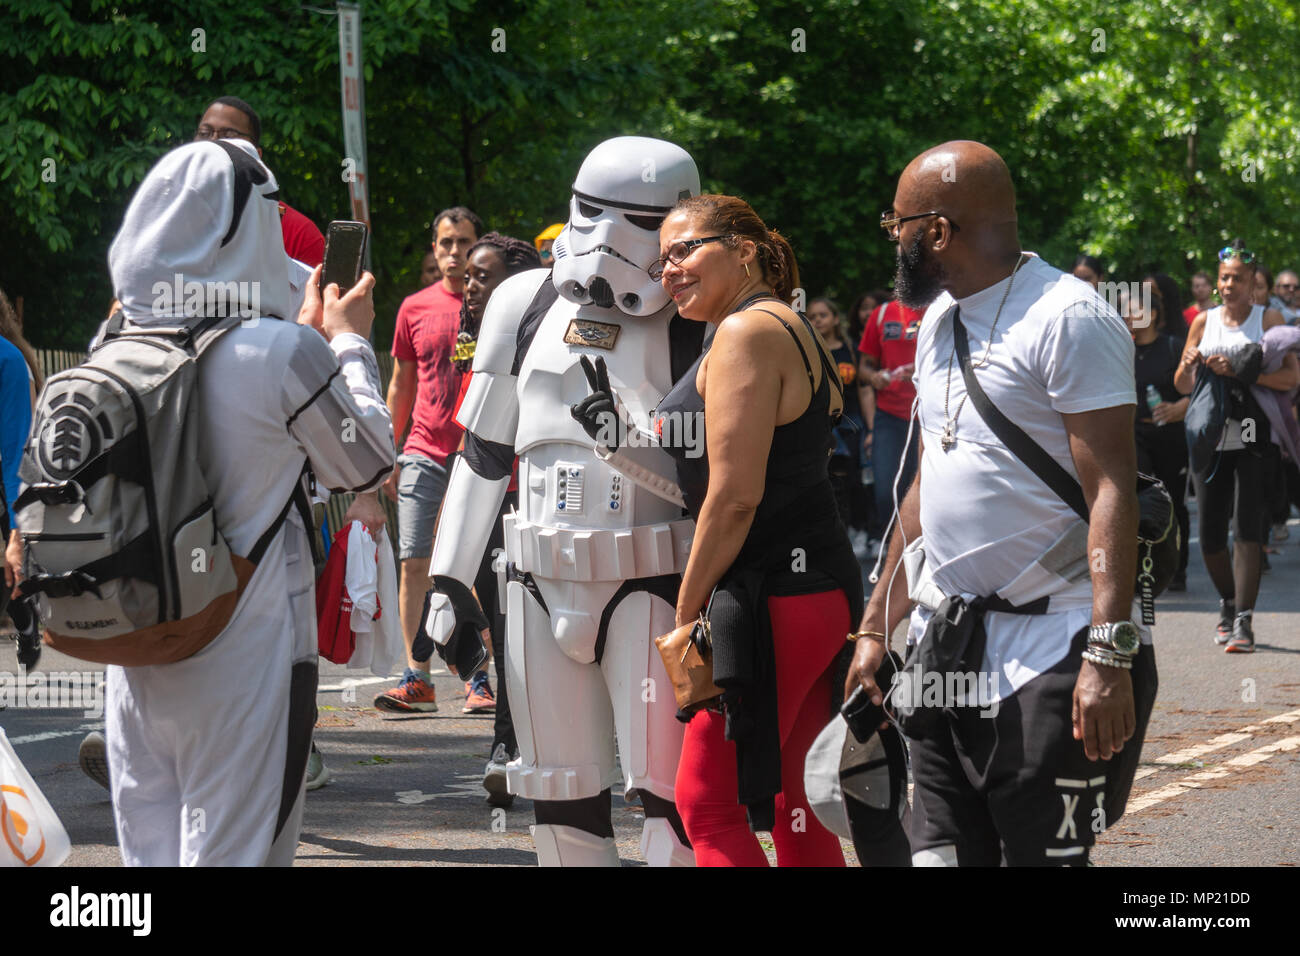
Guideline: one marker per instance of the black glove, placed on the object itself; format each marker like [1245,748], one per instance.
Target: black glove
[598,412]
[464,649]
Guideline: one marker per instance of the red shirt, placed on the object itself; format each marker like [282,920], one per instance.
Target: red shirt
[302,240]
[1190,313]
[427,323]
[890,339]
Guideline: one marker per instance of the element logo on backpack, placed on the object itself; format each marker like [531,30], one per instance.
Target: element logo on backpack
[71,436]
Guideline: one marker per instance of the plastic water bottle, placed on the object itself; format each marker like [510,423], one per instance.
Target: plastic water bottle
[1153,398]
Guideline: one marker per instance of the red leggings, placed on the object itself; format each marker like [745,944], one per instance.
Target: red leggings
[807,632]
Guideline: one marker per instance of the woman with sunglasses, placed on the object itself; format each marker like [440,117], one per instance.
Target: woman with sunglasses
[767,536]
[1238,472]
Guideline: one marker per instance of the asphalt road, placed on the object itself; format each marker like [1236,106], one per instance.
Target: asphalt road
[1218,786]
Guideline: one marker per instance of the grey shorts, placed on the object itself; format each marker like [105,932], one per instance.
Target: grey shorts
[420,489]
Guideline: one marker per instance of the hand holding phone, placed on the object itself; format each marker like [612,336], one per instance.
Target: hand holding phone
[345,244]
[862,716]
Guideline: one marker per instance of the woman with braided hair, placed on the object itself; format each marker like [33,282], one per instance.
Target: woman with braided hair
[491,260]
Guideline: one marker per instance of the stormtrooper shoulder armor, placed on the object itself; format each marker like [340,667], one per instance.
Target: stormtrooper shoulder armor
[498,337]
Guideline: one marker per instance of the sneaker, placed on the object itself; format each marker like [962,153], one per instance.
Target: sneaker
[414,693]
[494,778]
[93,757]
[317,773]
[1227,616]
[1243,635]
[478,696]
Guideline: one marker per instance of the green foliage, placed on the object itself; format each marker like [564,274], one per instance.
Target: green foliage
[1147,132]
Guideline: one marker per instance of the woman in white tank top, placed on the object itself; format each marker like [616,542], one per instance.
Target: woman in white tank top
[1234,485]
[1221,339]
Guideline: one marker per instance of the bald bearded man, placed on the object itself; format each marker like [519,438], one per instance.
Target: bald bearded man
[1032,766]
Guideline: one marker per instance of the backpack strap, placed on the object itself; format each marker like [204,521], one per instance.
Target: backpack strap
[1047,468]
[297,499]
[196,334]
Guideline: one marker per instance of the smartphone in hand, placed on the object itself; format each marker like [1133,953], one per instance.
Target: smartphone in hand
[345,244]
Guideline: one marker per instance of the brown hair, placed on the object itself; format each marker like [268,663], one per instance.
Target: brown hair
[735,218]
[13,331]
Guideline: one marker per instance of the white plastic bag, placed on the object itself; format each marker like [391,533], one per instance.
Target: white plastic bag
[30,831]
[382,647]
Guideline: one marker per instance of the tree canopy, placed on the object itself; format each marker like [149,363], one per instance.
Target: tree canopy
[1147,132]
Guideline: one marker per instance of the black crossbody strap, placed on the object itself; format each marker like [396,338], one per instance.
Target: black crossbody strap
[1047,468]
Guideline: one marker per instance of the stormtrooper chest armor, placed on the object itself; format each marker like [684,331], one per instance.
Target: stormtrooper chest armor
[583,518]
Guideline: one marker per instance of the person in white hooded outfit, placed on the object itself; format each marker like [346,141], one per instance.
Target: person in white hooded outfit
[207,754]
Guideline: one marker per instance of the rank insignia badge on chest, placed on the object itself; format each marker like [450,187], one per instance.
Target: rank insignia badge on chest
[596,335]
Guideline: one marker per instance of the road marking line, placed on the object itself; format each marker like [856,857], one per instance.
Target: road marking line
[362,681]
[1187,754]
[1230,767]
[353,682]
[54,734]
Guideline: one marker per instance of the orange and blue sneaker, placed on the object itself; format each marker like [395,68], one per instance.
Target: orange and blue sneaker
[1243,635]
[478,695]
[414,693]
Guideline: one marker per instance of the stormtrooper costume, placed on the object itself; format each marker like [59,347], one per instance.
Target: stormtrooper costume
[594,554]
[207,755]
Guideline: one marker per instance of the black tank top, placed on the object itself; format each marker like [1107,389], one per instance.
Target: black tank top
[798,505]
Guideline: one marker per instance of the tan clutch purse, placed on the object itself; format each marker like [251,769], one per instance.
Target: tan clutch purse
[686,651]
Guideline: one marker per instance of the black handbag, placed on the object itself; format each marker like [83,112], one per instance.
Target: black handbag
[953,643]
[1158,536]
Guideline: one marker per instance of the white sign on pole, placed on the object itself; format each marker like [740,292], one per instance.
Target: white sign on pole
[354,113]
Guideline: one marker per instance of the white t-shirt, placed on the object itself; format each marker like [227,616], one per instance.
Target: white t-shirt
[990,525]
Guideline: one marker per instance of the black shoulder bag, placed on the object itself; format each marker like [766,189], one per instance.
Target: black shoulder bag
[1157,527]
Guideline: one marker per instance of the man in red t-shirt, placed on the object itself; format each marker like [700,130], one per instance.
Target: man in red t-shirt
[886,360]
[423,393]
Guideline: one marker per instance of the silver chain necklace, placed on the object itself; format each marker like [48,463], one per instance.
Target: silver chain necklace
[950,421]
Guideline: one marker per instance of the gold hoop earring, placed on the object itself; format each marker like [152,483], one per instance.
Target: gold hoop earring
[746,270]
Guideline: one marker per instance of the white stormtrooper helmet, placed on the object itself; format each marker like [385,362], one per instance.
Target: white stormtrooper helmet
[622,192]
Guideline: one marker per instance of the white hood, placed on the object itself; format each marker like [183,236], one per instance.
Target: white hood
[203,233]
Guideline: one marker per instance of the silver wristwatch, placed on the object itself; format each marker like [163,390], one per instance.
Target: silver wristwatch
[1120,638]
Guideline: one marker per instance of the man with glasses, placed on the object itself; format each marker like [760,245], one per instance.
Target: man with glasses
[229,117]
[1042,762]
[1284,298]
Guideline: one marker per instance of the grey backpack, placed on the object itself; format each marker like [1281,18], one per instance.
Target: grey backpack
[120,541]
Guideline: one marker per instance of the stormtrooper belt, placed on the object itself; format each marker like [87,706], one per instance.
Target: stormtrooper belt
[598,554]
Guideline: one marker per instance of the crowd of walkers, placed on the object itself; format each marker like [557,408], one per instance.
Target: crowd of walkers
[820,426]
[1253,483]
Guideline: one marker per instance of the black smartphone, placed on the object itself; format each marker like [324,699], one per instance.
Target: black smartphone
[862,716]
[345,244]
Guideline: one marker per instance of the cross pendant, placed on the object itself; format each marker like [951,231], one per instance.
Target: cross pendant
[949,436]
